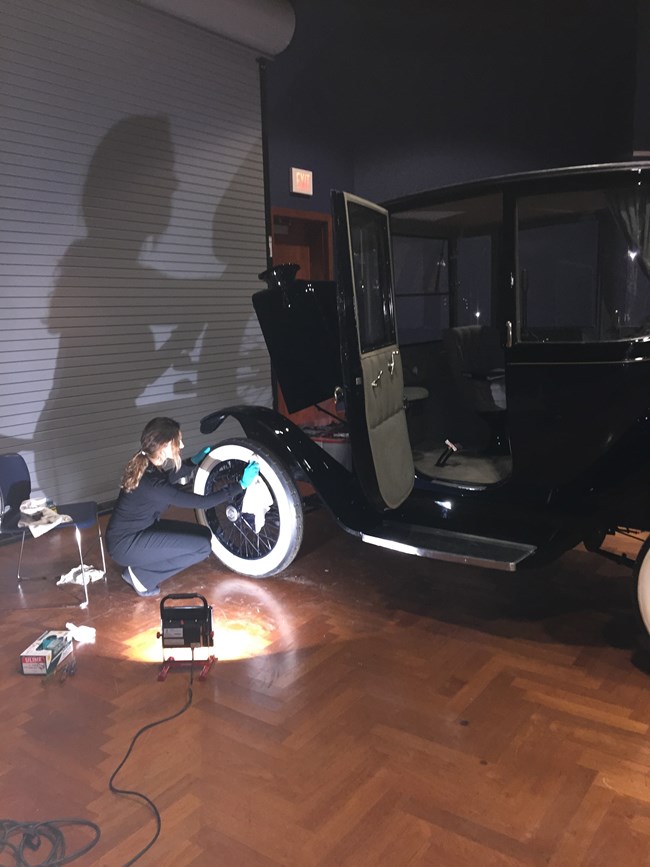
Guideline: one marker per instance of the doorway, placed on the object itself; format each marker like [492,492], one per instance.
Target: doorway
[304,237]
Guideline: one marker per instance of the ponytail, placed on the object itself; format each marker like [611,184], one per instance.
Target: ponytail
[134,471]
[156,434]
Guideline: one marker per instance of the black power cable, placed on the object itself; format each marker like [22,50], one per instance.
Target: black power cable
[20,838]
[142,797]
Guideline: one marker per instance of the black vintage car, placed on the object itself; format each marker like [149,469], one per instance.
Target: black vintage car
[526,304]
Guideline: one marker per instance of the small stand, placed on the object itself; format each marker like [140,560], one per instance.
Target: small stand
[170,663]
[185,626]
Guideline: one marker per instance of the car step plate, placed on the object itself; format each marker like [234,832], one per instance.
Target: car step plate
[453,547]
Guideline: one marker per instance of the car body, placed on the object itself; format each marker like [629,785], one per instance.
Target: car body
[527,300]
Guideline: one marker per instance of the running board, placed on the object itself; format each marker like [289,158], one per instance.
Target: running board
[452,547]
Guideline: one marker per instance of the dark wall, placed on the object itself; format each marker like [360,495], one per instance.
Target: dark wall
[303,119]
[386,98]
[642,102]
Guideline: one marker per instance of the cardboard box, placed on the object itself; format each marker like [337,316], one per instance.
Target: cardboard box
[44,654]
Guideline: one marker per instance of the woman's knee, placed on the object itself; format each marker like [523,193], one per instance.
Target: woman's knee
[198,544]
[200,538]
[205,547]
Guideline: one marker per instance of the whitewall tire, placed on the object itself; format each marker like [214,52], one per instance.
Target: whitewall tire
[258,545]
[642,581]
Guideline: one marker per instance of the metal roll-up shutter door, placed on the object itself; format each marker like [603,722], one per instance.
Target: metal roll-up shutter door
[131,231]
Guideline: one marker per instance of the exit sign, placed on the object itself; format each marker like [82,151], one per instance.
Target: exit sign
[302,182]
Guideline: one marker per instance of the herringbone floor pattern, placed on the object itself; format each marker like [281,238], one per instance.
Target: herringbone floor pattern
[367,709]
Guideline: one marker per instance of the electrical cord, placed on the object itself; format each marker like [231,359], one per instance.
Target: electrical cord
[31,836]
[18,838]
[135,794]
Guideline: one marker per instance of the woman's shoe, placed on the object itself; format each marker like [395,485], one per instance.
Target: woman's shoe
[132,581]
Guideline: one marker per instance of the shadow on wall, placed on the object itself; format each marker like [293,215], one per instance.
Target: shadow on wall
[133,338]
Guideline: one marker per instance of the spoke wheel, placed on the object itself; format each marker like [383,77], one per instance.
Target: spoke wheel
[258,545]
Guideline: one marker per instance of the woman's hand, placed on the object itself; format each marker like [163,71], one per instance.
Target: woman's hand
[198,457]
[251,472]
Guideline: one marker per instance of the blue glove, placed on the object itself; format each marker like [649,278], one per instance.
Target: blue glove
[251,472]
[198,457]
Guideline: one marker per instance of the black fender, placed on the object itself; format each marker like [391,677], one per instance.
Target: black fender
[336,486]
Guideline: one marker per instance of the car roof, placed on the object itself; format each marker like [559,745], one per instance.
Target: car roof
[501,182]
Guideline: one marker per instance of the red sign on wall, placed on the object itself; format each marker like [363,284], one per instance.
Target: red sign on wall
[302,182]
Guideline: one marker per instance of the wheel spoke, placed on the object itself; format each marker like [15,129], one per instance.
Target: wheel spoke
[239,536]
[258,537]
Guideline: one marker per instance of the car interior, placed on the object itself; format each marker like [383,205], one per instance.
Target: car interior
[582,277]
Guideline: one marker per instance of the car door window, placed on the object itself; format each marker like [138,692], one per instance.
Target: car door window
[421,267]
[584,265]
[474,279]
[444,256]
[372,277]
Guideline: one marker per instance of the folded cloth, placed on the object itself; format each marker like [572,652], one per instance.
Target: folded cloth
[76,576]
[42,521]
[33,506]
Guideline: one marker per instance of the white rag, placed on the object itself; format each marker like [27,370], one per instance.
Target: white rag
[257,501]
[76,576]
[31,507]
[36,515]
[82,634]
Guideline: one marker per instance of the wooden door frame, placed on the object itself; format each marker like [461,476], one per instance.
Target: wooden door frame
[314,217]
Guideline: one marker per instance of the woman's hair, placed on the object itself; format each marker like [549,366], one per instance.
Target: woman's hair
[155,436]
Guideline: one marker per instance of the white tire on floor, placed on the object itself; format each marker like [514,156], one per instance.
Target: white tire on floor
[259,548]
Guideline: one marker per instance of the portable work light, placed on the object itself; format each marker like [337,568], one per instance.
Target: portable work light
[185,626]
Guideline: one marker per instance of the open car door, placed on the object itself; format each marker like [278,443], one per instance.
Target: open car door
[372,366]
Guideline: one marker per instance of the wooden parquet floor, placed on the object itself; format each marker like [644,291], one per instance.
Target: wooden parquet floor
[367,709]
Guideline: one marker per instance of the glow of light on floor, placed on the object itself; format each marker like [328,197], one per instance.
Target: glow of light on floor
[232,640]
[246,619]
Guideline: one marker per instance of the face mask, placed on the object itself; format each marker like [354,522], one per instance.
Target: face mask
[167,464]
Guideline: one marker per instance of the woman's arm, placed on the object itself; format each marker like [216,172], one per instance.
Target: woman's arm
[190,500]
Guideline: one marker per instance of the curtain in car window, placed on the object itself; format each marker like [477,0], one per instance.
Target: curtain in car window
[632,208]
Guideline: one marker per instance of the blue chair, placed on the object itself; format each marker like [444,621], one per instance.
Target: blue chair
[16,487]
